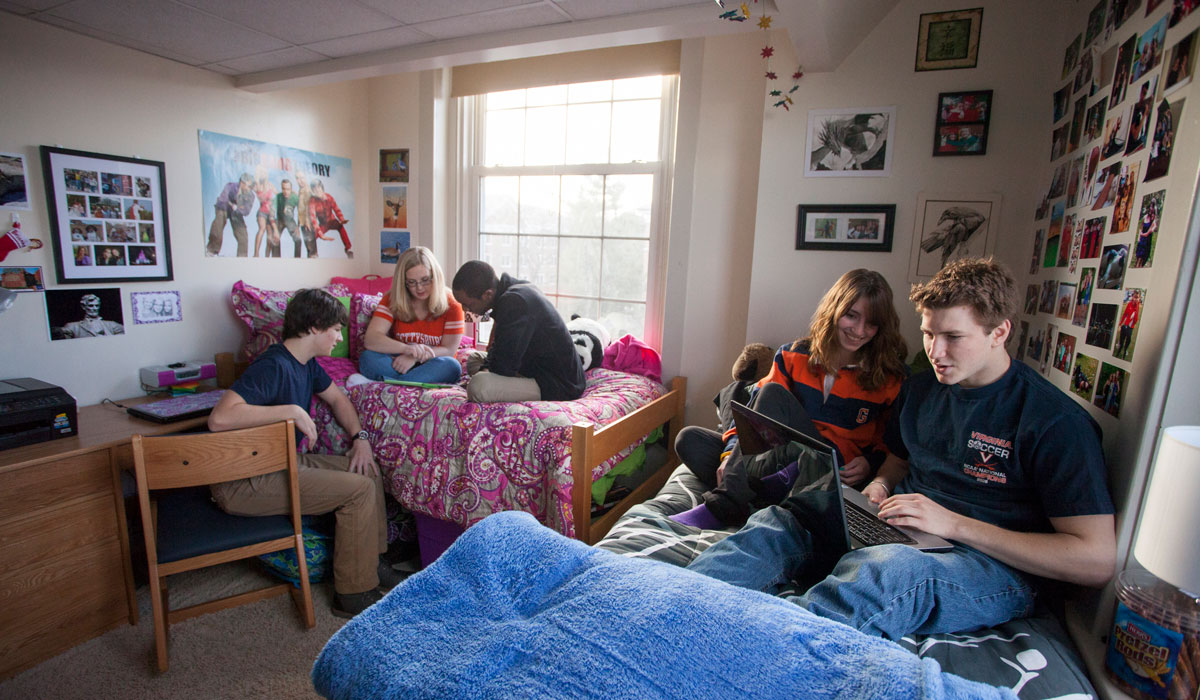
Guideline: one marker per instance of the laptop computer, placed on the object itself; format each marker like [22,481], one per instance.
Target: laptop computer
[842,516]
[178,408]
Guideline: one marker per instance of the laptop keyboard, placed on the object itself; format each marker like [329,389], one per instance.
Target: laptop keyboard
[870,530]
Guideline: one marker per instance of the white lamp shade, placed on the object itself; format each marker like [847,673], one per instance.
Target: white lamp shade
[1168,538]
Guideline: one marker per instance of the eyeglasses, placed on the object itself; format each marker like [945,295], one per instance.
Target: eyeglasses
[417,284]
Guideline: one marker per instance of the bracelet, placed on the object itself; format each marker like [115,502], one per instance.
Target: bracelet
[725,454]
[885,486]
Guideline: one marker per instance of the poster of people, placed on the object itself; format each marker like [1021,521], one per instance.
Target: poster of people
[267,200]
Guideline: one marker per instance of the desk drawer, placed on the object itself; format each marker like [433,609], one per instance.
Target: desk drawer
[47,533]
[48,485]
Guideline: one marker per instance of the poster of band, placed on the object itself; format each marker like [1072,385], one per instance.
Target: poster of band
[267,200]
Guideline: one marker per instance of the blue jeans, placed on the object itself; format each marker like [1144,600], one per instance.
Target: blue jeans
[887,590]
[377,366]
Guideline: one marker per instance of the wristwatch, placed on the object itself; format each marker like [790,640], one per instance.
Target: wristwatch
[362,435]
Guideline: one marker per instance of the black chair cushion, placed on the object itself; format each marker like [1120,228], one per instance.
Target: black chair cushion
[191,524]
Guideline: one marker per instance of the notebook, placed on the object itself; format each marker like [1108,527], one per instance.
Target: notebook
[425,385]
[838,514]
[178,408]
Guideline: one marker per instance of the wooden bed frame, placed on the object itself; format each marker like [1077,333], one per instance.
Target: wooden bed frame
[589,448]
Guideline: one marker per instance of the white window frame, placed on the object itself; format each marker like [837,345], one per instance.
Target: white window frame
[469,112]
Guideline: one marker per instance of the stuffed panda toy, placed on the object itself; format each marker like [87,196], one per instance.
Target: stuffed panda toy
[590,339]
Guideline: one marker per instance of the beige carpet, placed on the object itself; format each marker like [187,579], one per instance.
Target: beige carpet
[260,650]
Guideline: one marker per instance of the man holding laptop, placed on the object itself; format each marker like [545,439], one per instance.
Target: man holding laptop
[983,452]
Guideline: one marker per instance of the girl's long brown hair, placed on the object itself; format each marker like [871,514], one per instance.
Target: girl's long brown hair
[878,360]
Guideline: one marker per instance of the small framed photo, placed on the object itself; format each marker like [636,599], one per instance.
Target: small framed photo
[950,227]
[962,122]
[111,200]
[155,307]
[861,227]
[948,40]
[393,165]
[84,313]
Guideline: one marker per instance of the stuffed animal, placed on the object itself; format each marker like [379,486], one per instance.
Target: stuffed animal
[590,338]
[753,363]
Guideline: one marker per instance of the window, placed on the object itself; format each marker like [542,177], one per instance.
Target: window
[568,188]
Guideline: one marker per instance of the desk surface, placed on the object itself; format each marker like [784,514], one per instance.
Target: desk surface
[100,427]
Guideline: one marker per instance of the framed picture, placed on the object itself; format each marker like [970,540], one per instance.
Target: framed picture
[393,165]
[851,142]
[962,122]
[950,227]
[862,227]
[155,307]
[108,217]
[947,40]
[84,313]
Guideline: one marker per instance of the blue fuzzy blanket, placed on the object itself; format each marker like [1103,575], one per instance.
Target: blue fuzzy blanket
[516,610]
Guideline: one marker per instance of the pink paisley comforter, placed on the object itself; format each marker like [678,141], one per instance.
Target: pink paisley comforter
[461,462]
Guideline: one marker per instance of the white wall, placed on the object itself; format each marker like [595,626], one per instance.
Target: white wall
[721,105]
[60,88]
[787,283]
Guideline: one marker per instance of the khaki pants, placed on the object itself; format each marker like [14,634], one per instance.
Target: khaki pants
[486,387]
[325,485]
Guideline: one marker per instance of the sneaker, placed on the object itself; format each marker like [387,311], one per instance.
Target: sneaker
[348,605]
[349,254]
[389,577]
[355,380]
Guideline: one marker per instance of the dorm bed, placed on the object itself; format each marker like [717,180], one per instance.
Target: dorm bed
[513,609]
[451,461]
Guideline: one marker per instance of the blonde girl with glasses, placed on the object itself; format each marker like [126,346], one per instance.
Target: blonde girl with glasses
[416,328]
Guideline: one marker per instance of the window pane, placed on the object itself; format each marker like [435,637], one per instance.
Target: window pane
[582,204]
[549,95]
[506,99]
[545,135]
[598,91]
[632,88]
[623,273]
[539,204]
[580,273]
[587,133]
[621,318]
[498,251]
[539,262]
[635,131]
[505,137]
[499,195]
[588,308]
[627,200]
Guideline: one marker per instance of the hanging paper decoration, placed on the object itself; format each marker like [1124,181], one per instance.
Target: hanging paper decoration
[741,14]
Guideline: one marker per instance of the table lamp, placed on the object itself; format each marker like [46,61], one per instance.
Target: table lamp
[1168,538]
[1156,629]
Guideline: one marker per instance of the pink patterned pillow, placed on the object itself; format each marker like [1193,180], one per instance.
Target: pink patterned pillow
[361,308]
[262,312]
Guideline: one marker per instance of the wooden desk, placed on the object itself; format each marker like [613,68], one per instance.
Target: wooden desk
[65,573]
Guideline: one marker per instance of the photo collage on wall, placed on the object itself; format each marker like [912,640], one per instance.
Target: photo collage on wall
[1115,112]
[394,236]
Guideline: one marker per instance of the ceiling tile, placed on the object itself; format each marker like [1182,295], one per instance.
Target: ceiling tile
[591,9]
[291,56]
[366,43]
[298,21]
[170,26]
[489,22]
[413,11]
[120,40]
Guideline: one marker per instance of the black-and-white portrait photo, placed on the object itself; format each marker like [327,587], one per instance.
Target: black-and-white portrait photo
[84,313]
[850,142]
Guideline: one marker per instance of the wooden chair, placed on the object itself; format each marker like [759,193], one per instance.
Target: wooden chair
[186,530]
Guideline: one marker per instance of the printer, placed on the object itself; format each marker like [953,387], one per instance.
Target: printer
[34,411]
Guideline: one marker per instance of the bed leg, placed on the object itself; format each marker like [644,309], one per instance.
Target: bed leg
[581,480]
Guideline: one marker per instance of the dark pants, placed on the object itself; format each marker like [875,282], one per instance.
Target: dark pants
[217,231]
[700,449]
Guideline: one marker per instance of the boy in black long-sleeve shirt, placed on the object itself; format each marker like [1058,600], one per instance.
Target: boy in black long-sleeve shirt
[531,357]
